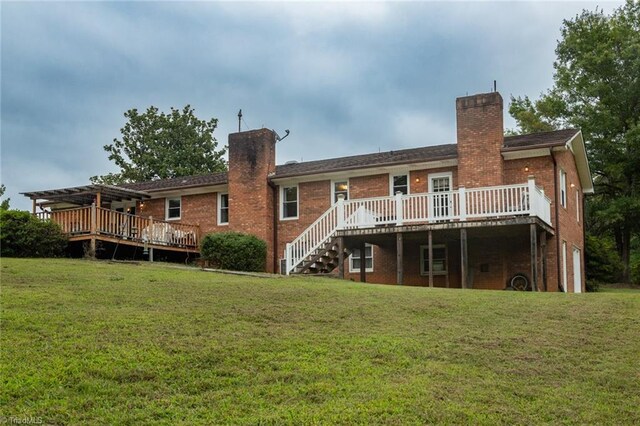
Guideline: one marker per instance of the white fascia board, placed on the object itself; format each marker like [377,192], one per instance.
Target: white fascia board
[577,146]
[372,171]
[178,192]
[526,153]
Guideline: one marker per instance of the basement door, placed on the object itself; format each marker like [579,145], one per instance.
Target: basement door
[577,271]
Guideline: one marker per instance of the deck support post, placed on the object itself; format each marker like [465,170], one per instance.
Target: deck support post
[464,260]
[533,231]
[543,248]
[341,257]
[430,254]
[363,263]
[93,231]
[33,206]
[150,254]
[98,199]
[399,259]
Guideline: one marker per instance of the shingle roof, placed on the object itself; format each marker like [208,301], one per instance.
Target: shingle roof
[539,140]
[403,156]
[180,182]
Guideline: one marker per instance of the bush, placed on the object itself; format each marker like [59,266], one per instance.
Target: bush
[24,235]
[601,260]
[593,286]
[234,251]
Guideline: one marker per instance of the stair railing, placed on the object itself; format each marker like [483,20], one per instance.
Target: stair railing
[315,235]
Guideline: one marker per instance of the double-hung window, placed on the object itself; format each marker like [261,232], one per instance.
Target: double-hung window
[399,183]
[356,258]
[289,202]
[439,266]
[340,187]
[223,209]
[172,208]
[563,188]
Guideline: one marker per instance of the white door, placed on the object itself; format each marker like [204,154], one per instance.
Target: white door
[577,271]
[440,184]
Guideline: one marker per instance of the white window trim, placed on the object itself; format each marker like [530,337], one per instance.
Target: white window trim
[355,270]
[424,255]
[166,208]
[433,176]
[563,188]
[393,175]
[220,222]
[282,188]
[333,189]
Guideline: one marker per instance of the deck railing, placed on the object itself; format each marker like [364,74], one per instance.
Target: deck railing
[92,220]
[460,205]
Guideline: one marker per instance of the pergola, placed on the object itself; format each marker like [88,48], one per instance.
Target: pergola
[86,195]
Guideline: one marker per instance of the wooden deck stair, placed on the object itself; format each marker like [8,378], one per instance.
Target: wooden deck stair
[323,260]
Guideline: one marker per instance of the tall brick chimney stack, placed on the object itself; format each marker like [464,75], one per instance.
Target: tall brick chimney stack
[480,130]
[252,157]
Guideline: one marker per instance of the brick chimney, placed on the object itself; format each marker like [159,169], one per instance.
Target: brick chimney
[252,157]
[480,137]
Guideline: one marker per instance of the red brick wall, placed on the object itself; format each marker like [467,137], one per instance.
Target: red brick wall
[480,137]
[251,160]
[570,230]
[197,209]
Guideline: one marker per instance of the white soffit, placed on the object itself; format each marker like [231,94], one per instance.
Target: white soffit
[371,171]
[171,192]
[526,153]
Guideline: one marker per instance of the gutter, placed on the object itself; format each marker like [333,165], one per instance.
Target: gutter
[557,219]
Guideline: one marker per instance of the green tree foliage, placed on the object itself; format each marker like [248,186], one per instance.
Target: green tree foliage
[23,235]
[597,89]
[234,251]
[156,145]
[4,205]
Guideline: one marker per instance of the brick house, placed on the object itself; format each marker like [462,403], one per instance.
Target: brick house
[488,212]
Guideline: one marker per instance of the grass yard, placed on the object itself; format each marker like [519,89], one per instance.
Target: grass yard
[93,342]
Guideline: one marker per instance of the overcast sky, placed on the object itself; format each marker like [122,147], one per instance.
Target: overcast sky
[345,78]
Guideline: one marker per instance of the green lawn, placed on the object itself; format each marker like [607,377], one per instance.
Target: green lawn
[94,342]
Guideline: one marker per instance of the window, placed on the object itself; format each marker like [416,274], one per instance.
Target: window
[173,208]
[223,209]
[400,183]
[340,188]
[563,188]
[355,259]
[289,204]
[439,259]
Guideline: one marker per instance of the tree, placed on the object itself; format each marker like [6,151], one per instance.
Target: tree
[597,89]
[4,205]
[156,145]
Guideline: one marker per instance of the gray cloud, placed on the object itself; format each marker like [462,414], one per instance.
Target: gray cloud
[345,78]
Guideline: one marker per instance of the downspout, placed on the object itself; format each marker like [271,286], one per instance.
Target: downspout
[557,217]
[274,209]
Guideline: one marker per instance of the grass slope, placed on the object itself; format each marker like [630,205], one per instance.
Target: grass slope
[92,342]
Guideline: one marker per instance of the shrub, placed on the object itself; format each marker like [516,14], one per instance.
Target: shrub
[601,260]
[234,251]
[23,235]
[592,286]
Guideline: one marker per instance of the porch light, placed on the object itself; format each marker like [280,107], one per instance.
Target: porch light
[526,168]
[573,185]
[417,180]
